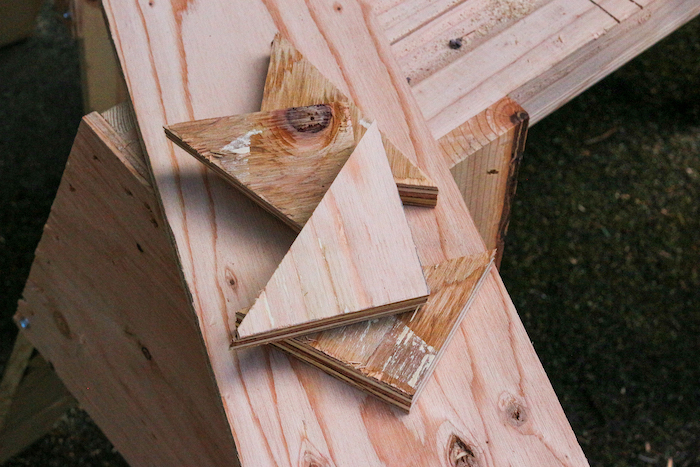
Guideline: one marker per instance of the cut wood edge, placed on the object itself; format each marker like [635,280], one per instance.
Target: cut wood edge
[358,196]
[293,81]
[285,160]
[468,271]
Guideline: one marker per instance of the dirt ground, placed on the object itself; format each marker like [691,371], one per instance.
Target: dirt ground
[601,260]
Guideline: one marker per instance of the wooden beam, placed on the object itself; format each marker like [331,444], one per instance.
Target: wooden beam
[101,80]
[105,304]
[171,69]
[484,155]
[542,54]
[354,259]
[39,401]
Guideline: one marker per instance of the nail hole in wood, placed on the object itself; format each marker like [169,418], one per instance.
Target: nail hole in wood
[455,43]
[61,324]
[71,187]
[139,247]
[338,7]
[146,353]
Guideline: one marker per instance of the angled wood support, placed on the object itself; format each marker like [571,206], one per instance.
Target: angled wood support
[32,399]
[105,304]
[484,155]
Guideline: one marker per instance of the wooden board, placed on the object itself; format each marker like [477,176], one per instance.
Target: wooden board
[285,159]
[354,259]
[171,70]
[101,80]
[39,401]
[105,304]
[484,156]
[540,52]
[293,81]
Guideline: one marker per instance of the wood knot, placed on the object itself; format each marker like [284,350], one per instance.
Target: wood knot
[460,454]
[311,119]
[231,279]
[62,324]
[146,353]
[310,459]
[515,412]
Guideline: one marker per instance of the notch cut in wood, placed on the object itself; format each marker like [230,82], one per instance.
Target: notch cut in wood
[293,81]
[354,259]
[285,160]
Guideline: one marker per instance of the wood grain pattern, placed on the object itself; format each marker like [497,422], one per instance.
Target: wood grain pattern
[294,81]
[484,156]
[107,307]
[171,70]
[285,160]
[353,260]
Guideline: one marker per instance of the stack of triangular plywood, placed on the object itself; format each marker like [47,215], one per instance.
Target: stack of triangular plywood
[314,161]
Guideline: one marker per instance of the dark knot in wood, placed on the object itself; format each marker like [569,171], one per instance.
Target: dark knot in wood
[311,119]
[515,412]
[461,454]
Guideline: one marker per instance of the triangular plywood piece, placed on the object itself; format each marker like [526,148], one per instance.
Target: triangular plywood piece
[354,259]
[293,81]
[283,159]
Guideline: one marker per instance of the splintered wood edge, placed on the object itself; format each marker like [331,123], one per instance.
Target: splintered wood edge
[380,389]
[175,138]
[322,324]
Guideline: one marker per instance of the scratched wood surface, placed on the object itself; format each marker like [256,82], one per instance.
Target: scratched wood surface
[484,155]
[106,305]
[354,259]
[294,81]
[285,159]
[487,380]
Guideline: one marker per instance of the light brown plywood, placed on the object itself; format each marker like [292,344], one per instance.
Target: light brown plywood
[283,412]
[293,81]
[353,260]
[285,159]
